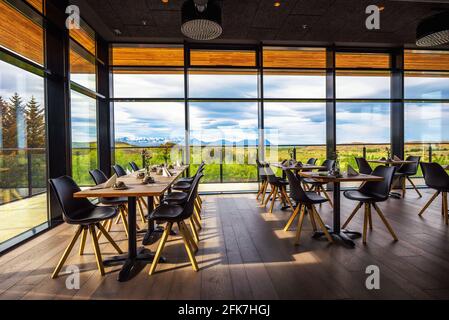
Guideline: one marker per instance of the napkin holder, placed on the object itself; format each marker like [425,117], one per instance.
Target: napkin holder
[111,182]
[396,158]
[352,172]
[166,173]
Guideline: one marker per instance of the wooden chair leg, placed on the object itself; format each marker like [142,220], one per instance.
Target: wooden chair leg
[446,214]
[293,217]
[322,225]
[194,232]
[269,196]
[429,203]
[160,247]
[109,225]
[197,222]
[365,223]
[97,251]
[83,241]
[312,219]
[259,193]
[287,198]
[299,227]
[108,236]
[370,219]
[384,220]
[197,210]
[125,221]
[352,215]
[66,253]
[414,186]
[404,187]
[264,192]
[189,249]
[141,212]
[189,236]
[273,199]
[327,196]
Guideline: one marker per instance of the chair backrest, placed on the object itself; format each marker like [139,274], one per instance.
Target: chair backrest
[380,189]
[65,188]
[119,171]
[297,193]
[329,164]
[134,166]
[312,161]
[435,176]
[410,168]
[98,176]
[193,193]
[364,167]
[269,174]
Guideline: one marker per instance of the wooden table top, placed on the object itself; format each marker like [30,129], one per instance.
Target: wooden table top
[135,186]
[299,168]
[391,162]
[344,178]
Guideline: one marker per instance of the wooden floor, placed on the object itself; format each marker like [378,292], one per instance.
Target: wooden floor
[244,254]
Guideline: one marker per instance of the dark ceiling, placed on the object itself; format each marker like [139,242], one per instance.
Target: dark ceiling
[295,21]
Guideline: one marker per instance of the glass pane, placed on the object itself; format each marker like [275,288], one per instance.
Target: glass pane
[426,60]
[225,135]
[84,137]
[23,181]
[223,84]
[223,58]
[362,60]
[426,85]
[141,56]
[300,85]
[22,34]
[82,67]
[158,127]
[356,85]
[148,84]
[426,122]
[294,58]
[85,36]
[359,126]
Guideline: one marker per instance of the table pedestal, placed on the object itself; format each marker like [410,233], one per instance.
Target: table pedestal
[342,236]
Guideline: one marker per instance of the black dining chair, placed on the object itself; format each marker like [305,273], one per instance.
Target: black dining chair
[317,186]
[436,178]
[306,202]
[408,170]
[134,166]
[100,177]
[86,216]
[278,189]
[364,167]
[119,170]
[171,214]
[369,195]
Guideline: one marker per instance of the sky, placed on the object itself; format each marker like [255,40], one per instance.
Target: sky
[287,123]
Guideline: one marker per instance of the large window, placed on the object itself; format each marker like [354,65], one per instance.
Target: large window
[83,80]
[23,165]
[426,108]
[363,92]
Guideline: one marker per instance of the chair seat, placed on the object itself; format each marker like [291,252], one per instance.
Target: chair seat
[167,213]
[313,181]
[176,198]
[92,216]
[188,180]
[363,197]
[280,182]
[113,201]
[182,186]
[315,198]
[404,174]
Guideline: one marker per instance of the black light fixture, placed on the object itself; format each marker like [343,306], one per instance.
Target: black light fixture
[433,31]
[201,20]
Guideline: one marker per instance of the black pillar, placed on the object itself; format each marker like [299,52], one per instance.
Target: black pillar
[104,107]
[57,99]
[397,103]
[331,126]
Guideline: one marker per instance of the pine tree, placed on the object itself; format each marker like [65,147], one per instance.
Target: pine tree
[35,123]
[3,110]
[10,122]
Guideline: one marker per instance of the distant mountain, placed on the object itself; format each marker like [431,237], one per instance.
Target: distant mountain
[157,141]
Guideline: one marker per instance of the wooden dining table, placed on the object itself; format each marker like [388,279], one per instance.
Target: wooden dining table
[343,236]
[136,257]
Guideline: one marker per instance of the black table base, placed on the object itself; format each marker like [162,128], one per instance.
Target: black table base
[343,236]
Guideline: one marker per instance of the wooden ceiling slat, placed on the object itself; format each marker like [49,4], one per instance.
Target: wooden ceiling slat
[294,58]
[84,39]
[362,60]
[79,64]
[133,56]
[38,4]
[426,60]
[20,34]
[222,58]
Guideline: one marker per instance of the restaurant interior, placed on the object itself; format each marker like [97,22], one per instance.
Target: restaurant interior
[224,149]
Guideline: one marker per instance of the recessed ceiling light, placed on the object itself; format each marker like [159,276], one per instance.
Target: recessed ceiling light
[277,4]
[117,32]
[144,22]
[381,8]
[165,1]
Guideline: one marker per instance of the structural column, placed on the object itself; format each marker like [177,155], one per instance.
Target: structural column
[331,126]
[397,103]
